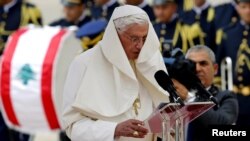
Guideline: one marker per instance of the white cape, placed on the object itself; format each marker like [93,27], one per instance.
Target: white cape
[107,85]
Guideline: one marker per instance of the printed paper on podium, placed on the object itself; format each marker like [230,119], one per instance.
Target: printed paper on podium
[174,111]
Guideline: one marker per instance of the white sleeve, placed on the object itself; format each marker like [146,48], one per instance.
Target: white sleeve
[77,126]
[190,96]
[89,130]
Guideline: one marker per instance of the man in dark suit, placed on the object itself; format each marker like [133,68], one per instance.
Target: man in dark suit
[225,113]
[75,14]
[143,4]
[103,8]
[234,42]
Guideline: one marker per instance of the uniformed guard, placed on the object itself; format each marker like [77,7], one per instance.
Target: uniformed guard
[234,42]
[225,14]
[167,25]
[103,8]
[75,14]
[91,33]
[198,25]
[14,14]
[143,4]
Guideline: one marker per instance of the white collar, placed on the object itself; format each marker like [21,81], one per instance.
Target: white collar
[143,4]
[9,5]
[108,4]
[198,10]
[207,88]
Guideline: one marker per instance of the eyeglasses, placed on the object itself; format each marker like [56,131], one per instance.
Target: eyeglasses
[135,39]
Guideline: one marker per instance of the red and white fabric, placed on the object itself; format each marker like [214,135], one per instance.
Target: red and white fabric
[33,69]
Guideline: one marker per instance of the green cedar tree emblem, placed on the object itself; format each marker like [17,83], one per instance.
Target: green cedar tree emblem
[26,74]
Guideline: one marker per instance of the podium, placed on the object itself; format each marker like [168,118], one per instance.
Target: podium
[170,119]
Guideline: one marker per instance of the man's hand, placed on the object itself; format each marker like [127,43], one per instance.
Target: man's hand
[131,128]
[181,89]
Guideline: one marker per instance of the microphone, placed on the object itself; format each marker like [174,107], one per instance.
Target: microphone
[166,83]
[203,90]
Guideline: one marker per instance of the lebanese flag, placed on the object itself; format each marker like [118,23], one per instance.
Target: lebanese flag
[27,68]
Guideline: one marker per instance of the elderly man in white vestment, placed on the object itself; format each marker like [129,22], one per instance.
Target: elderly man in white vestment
[110,89]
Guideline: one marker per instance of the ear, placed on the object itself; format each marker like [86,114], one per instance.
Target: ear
[215,68]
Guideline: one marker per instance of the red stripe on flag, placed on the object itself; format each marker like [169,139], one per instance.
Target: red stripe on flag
[47,80]
[5,76]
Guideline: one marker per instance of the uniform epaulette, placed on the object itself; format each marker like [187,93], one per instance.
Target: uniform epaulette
[211,14]
[219,36]
[30,14]
[188,5]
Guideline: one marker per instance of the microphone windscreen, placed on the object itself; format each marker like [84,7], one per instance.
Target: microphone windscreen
[163,79]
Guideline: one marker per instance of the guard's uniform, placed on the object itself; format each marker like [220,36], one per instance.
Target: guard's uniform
[199,28]
[169,34]
[104,11]
[20,14]
[91,33]
[225,14]
[234,43]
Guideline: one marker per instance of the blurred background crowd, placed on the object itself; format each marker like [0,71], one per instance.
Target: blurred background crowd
[57,8]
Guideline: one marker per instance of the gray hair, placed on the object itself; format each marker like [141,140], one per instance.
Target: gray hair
[122,23]
[204,48]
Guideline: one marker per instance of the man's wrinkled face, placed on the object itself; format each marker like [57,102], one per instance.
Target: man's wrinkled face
[205,68]
[243,9]
[133,38]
